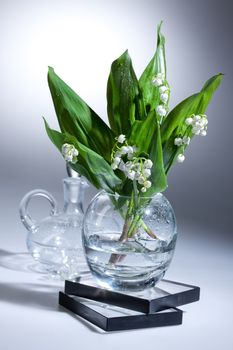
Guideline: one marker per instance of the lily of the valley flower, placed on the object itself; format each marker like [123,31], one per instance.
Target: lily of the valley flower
[164,97]
[148,164]
[180,158]
[179,141]
[121,138]
[70,153]
[189,121]
[143,189]
[147,184]
[161,111]
[160,82]
[135,168]
[186,140]
[158,79]
[198,124]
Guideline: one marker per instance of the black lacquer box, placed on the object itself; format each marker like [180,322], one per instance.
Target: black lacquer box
[115,318]
[166,294]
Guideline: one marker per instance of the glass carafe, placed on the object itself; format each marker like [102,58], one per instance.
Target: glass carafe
[56,241]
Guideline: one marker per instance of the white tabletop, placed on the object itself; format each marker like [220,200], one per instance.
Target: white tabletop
[30,317]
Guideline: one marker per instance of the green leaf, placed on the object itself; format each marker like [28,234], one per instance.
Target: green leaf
[146,136]
[142,132]
[90,164]
[78,119]
[158,176]
[124,101]
[157,65]
[195,104]
[174,124]
[170,152]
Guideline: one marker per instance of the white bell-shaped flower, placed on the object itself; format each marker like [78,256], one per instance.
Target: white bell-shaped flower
[70,153]
[180,158]
[121,138]
[161,111]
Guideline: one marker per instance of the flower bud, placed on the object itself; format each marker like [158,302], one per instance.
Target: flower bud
[69,153]
[178,141]
[121,166]
[121,138]
[147,184]
[114,166]
[162,89]
[141,180]
[146,172]
[148,164]
[124,149]
[131,174]
[196,118]
[203,133]
[180,158]
[157,81]
[186,140]
[164,97]
[161,111]
[189,121]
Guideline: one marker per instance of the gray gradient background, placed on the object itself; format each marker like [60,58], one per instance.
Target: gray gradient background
[80,40]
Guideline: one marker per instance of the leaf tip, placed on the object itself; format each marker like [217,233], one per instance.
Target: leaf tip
[125,57]
[125,53]
[159,26]
[50,71]
[160,36]
[45,122]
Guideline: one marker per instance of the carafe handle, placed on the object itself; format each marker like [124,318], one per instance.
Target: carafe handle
[28,222]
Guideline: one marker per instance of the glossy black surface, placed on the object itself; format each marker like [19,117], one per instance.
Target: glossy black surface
[164,295]
[114,318]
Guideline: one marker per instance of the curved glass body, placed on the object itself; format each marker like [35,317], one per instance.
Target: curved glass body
[56,241]
[129,252]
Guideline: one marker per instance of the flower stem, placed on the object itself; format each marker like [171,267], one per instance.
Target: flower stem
[148,230]
[133,221]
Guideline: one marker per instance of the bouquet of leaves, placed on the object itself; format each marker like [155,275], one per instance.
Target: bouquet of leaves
[133,156]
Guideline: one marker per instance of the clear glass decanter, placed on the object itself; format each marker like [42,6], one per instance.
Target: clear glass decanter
[56,241]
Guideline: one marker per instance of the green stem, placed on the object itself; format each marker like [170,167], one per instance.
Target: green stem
[132,222]
[134,226]
[127,223]
[148,230]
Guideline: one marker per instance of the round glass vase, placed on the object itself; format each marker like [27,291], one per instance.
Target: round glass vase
[129,246]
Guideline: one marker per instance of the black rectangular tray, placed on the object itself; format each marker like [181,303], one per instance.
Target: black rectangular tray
[166,294]
[114,318]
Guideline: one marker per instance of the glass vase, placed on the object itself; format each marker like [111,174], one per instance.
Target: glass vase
[129,246]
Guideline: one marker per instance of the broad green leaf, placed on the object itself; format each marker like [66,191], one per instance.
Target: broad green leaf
[146,136]
[142,132]
[195,104]
[58,139]
[90,164]
[174,124]
[124,101]
[126,189]
[170,152]
[78,119]
[157,65]
[158,176]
